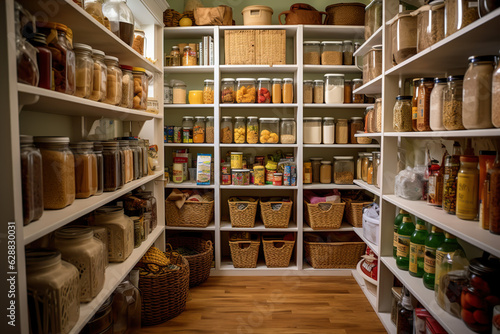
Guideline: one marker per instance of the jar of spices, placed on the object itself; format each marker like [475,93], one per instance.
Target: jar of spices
[347,51]
[312,130]
[269,130]
[331,53]
[377,177]
[126,161]
[328,130]
[377,115]
[32,180]
[402,114]
[209,129]
[120,232]
[436,105]
[79,247]
[459,14]
[58,166]
[111,163]
[141,82]
[369,119]
[100,79]
[287,131]
[175,53]
[334,91]
[189,56]
[308,91]
[467,188]
[308,173]
[208,92]
[357,98]
[226,130]
[495,100]
[264,92]
[84,70]
[343,170]
[136,158]
[287,90]
[246,92]
[199,129]
[347,92]
[239,130]
[52,289]
[227,90]
[404,36]
[179,92]
[312,53]
[127,100]
[477,92]
[325,172]
[372,63]
[356,125]
[319,91]
[342,131]
[315,165]
[187,129]
[276,91]
[364,167]
[424,102]
[452,105]
[44,60]
[414,104]
[100,168]
[493,179]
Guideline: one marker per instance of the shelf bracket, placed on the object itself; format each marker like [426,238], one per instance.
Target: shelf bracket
[26,99]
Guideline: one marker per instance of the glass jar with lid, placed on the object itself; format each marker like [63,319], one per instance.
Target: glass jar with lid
[246,92]
[94,8]
[343,170]
[355,126]
[328,130]
[145,150]
[347,52]
[276,90]
[424,102]
[365,162]
[44,60]
[287,131]
[121,19]
[342,131]
[377,115]
[114,81]
[312,130]
[477,87]
[308,91]
[84,70]
[459,14]
[136,158]
[199,129]
[325,173]
[369,171]
[58,166]
[347,92]
[359,164]
[52,289]
[32,180]
[175,53]
[319,91]
[373,17]
[228,94]
[127,100]
[287,90]
[100,168]
[252,129]
[141,82]
[357,98]
[269,130]
[148,205]
[372,63]
[452,105]
[436,105]
[430,24]
[239,129]
[208,91]
[331,53]
[414,104]
[187,129]
[334,90]
[316,167]
[402,114]
[404,36]
[264,92]
[312,53]
[100,73]
[111,163]
[139,42]
[126,162]
[226,130]
[120,232]
[377,178]
[179,93]
[369,119]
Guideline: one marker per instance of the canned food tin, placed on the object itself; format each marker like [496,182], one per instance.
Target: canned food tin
[236,160]
[177,134]
[226,168]
[226,179]
[278,179]
[259,175]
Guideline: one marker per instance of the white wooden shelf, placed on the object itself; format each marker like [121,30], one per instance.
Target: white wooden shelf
[210,227]
[372,299]
[175,106]
[371,188]
[188,184]
[259,105]
[259,145]
[188,69]
[258,69]
[466,230]
[342,146]
[331,69]
[372,87]
[186,145]
[188,32]
[333,32]
[373,247]
[259,227]
[446,134]
[344,227]
[369,135]
[264,187]
[375,39]
[338,105]
[331,186]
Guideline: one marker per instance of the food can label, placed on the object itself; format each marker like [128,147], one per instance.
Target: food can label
[467,189]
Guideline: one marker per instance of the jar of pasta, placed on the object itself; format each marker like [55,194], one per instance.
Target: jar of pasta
[287,90]
[228,94]
[311,53]
[84,70]
[140,100]
[114,81]
[208,92]
[269,130]
[199,129]
[252,130]
[226,130]
[342,131]
[100,73]
[239,130]
[276,90]
[246,92]
[452,106]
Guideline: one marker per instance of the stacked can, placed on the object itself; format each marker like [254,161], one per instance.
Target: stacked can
[226,173]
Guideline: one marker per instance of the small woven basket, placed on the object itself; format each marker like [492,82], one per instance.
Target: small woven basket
[244,253]
[325,215]
[354,211]
[276,214]
[192,214]
[364,140]
[346,14]
[171,18]
[242,213]
[321,255]
[277,252]
[199,264]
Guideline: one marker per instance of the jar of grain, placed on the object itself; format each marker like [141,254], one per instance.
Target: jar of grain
[325,174]
[136,158]
[126,161]
[100,168]
[58,166]
[228,94]
[264,91]
[189,56]
[424,103]
[114,81]
[269,130]
[208,92]
[328,130]
[452,105]
[226,130]
[112,167]
[127,87]
[342,131]
[373,17]
[334,92]
[404,36]
[100,79]
[365,162]
[347,52]
[308,91]
[52,290]
[430,24]
[495,97]
[343,170]
[312,130]
[276,91]
[84,70]
[477,92]
[32,178]
[459,14]
[141,82]
[287,131]
[239,130]
[436,105]
[287,90]
[372,63]
[175,53]
[79,247]
[246,92]
[316,167]
[311,53]
[356,125]
[377,115]
[209,129]
[402,114]
[357,98]
[331,53]
[120,232]
[319,91]
[179,90]
[347,92]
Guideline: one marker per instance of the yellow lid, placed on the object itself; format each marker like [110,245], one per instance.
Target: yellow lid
[138,69]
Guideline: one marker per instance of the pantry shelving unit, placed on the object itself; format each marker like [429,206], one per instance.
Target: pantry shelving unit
[36,111]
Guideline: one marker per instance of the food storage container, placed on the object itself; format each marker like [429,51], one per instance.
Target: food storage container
[312,130]
[308,172]
[226,130]
[239,130]
[372,63]
[459,14]
[347,92]
[287,131]
[136,158]
[196,96]
[84,70]
[325,172]
[334,88]
[100,79]
[452,105]
[312,53]
[127,100]
[32,180]
[141,88]
[112,167]
[357,98]
[44,60]
[287,90]
[257,15]
[94,8]
[252,130]
[121,19]
[495,100]
[264,90]
[114,81]
[246,92]
[359,164]
[144,145]
[179,92]
[139,42]
[343,170]
[377,115]
[414,103]
[240,177]
[259,175]
[126,162]
[342,132]
[369,119]
[436,105]
[328,130]
[430,24]
[187,129]
[228,94]
[347,52]
[468,188]
[355,126]
[276,91]
[315,166]
[147,204]
[199,129]
[100,168]
[424,100]
[175,53]
[331,53]
[208,92]
[308,91]
[373,17]
[365,162]
[120,232]
[189,56]
[269,130]
[402,114]
[404,36]
[377,177]
[369,172]
[319,91]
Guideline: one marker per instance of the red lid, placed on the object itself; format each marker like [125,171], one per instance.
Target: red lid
[126,67]
[422,313]
[434,327]
[469,158]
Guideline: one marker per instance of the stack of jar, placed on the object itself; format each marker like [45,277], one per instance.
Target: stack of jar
[253,130]
[329,52]
[367,168]
[198,129]
[327,131]
[319,170]
[262,90]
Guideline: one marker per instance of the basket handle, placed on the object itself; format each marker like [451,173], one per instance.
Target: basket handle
[209,243]
[240,244]
[283,13]
[324,205]
[323,21]
[278,242]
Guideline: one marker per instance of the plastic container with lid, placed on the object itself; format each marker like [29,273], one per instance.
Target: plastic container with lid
[459,14]
[365,162]
[312,53]
[246,92]
[208,91]
[252,129]
[226,130]
[187,129]
[355,126]
[179,93]
[276,90]
[269,130]
[315,166]
[325,173]
[287,90]
[139,42]
[347,52]
[114,81]
[343,170]
[288,131]
[372,63]
[308,91]
[121,19]
[430,24]
[342,131]
[84,70]
[228,94]
[141,83]
[112,168]
[196,96]
[257,15]
[373,17]
[331,53]
[100,73]
[100,168]
[328,130]
[148,205]
[319,91]
[357,98]
[452,103]
[199,129]
[404,36]
[264,90]
[239,129]
[334,88]
[402,114]
[436,105]
[312,130]
[127,100]
[424,101]
[32,180]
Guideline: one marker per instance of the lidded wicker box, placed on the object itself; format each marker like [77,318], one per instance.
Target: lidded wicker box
[255,47]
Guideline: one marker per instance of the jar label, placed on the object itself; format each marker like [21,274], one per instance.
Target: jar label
[403,245]
[467,190]
[416,252]
[414,113]
[395,240]
[430,260]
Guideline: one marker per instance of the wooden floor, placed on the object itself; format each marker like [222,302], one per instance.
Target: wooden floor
[289,304]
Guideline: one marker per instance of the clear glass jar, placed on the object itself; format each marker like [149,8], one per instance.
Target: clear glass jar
[316,169]
[52,290]
[373,17]
[377,115]
[325,173]
[136,158]
[424,103]
[312,130]
[372,63]
[121,19]
[179,92]
[312,53]
[208,92]
[114,81]
[127,100]
[120,232]
[144,145]
[264,92]
[468,188]
[369,172]
[94,8]
[365,161]
[331,53]
[436,105]
[85,169]
[452,105]
[319,91]
[32,180]
[402,114]
[141,88]
[126,308]
[100,168]
[308,91]
[359,164]
[112,166]
[485,7]
[148,205]
[228,94]
[58,166]
[276,90]
[187,129]
[189,56]
[404,37]
[377,178]
[226,130]
[139,42]
[175,53]
[430,24]
[369,120]
[100,79]
[269,130]
[44,60]
[308,175]
[252,130]
[84,70]
[342,131]
[328,130]
[355,126]
[287,90]
[288,131]
[477,86]
[459,14]
[495,100]
[334,90]
[246,92]
[126,161]
[239,130]
[347,52]
[199,129]
[414,104]
[347,92]
[357,98]
[343,170]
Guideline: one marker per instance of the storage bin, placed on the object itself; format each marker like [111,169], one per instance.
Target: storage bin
[242,212]
[430,24]
[326,215]
[370,229]
[257,15]
[354,211]
[372,63]
[199,264]
[373,18]
[346,14]
[255,47]
[335,254]
[192,214]
[277,252]
[404,37]
[275,214]
[244,253]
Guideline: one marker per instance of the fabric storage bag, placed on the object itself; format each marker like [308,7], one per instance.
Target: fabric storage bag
[371,223]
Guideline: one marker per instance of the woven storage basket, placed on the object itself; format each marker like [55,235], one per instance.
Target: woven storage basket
[277,252]
[192,214]
[321,255]
[199,264]
[242,213]
[364,140]
[354,211]
[255,47]
[346,14]
[324,215]
[171,18]
[244,253]
[164,295]
[276,214]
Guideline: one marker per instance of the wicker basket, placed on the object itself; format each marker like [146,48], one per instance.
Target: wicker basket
[171,18]
[321,255]
[354,211]
[322,216]
[199,264]
[164,295]
[255,47]
[277,252]
[346,14]
[242,213]
[276,214]
[192,214]
[244,253]
[364,140]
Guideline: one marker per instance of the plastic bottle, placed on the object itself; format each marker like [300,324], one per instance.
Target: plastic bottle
[405,230]
[433,241]
[417,249]
[397,221]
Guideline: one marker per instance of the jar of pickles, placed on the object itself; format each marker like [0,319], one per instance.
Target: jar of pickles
[287,131]
[239,130]
[276,90]
[252,130]
[128,87]
[199,129]
[228,94]
[246,92]
[264,92]
[114,81]
[269,130]
[100,79]
[226,130]
[84,70]
[141,79]
[208,92]
[452,105]
[32,186]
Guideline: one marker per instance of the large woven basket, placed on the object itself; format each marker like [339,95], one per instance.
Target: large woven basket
[244,253]
[199,264]
[192,214]
[326,215]
[346,14]
[255,47]
[242,213]
[321,255]
[164,295]
[354,211]
[276,214]
[277,252]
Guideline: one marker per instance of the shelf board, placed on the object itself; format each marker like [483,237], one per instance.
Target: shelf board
[175,106]
[188,32]
[331,186]
[385,318]
[371,188]
[188,184]
[344,227]
[259,145]
[186,145]
[264,187]
[115,273]
[337,32]
[466,230]
[341,145]
[370,135]
[259,105]
[375,39]
[446,134]
[426,297]
[188,69]
[338,105]
[331,68]
[373,247]
[53,219]
[210,227]
[362,284]
[449,56]
[259,227]
[49,101]
[372,87]
[260,69]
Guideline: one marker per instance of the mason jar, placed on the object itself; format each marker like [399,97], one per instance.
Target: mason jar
[100,79]
[114,81]
[32,180]
[452,107]
[226,130]
[128,87]
[84,70]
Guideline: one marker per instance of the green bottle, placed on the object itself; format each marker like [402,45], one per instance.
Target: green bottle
[397,221]
[417,249]
[433,241]
[448,247]
[405,230]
